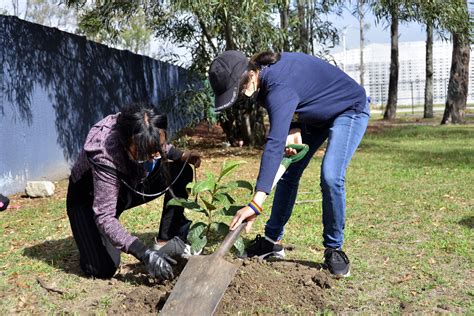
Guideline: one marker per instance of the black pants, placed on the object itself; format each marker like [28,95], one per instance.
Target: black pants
[98,257]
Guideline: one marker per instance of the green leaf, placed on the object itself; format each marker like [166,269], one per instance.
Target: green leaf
[230,211]
[205,185]
[198,244]
[240,184]
[239,245]
[196,231]
[228,166]
[190,205]
[225,199]
[220,228]
[209,206]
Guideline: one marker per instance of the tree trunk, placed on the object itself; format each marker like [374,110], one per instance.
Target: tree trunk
[310,27]
[244,125]
[229,40]
[360,8]
[207,36]
[303,43]
[458,81]
[428,111]
[284,22]
[391,109]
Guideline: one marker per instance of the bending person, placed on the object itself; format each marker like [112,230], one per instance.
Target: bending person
[124,163]
[308,101]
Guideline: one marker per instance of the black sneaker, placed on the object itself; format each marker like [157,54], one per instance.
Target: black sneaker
[337,262]
[264,248]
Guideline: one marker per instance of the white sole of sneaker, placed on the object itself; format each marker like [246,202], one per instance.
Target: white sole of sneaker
[275,254]
[340,276]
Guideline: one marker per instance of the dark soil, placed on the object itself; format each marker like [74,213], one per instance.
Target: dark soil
[274,287]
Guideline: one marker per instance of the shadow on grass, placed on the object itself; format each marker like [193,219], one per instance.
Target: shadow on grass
[453,158]
[61,253]
[467,221]
[396,141]
[309,264]
[423,132]
[64,255]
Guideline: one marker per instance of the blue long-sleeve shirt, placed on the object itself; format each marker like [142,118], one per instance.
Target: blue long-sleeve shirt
[308,88]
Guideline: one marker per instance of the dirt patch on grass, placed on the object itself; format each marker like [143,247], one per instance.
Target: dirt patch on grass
[277,287]
[142,300]
[274,287]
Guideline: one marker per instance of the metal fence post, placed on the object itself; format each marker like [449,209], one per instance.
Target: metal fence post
[446,88]
[381,97]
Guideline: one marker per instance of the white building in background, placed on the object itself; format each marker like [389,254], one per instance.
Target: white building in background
[411,77]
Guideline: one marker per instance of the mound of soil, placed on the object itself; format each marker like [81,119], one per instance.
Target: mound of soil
[273,287]
[276,287]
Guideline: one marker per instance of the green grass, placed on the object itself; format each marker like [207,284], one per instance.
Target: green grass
[409,231]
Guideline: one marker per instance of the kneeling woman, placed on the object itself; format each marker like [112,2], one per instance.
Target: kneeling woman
[310,101]
[124,163]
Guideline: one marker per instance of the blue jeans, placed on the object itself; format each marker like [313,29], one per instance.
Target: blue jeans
[344,134]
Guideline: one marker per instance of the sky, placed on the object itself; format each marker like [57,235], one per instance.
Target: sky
[377,33]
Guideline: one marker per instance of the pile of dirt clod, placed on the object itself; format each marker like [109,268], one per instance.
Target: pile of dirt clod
[268,287]
[277,287]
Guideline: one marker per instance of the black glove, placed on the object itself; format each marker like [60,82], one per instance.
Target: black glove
[175,248]
[157,265]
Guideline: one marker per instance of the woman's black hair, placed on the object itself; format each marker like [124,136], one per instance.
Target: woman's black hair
[256,63]
[142,124]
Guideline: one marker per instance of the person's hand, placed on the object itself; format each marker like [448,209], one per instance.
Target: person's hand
[294,137]
[174,248]
[192,157]
[158,266]
[245,213]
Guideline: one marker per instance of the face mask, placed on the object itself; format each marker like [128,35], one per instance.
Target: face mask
[149,165]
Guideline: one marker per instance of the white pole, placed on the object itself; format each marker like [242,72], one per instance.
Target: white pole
[344,31]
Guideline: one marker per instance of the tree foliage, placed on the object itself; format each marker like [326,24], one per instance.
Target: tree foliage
[49,12]
[124,29]
[205,28]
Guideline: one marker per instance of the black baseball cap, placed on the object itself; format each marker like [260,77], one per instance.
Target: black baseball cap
[224,77]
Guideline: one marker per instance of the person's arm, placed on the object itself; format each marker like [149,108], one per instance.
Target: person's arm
[281,104]
[193,157]
[190,156]
[106,186]
[106,191]
[172,153]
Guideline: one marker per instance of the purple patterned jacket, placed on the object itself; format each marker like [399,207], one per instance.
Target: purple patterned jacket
[103,148]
